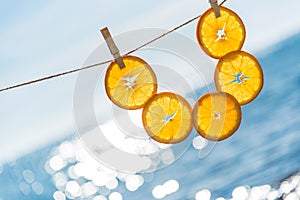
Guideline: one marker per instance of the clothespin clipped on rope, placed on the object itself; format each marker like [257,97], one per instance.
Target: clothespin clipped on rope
[214,4]
[112,47]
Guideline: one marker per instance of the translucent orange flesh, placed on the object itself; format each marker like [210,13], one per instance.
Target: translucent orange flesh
[219,36]
[167,118]
[216,116]
[132,86]
[239,74]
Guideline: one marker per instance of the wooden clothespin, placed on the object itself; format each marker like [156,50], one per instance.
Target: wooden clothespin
[112,47]
[214,4]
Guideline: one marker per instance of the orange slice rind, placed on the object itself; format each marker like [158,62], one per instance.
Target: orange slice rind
[239,74]
[219,36]
[216,116]
[167,118]
[131,87]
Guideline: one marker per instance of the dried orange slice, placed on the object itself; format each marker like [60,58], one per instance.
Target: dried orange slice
[239,74]
[130,87]
[219,36]
[216,116]
[167,118]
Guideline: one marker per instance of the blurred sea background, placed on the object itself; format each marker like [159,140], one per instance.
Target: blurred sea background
[264,151]
[41,157]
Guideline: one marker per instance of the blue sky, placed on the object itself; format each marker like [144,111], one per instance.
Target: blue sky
[41,38]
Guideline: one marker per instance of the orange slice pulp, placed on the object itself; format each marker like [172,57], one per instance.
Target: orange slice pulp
[130,87]
[219,36]
[239,74]
[216,116]
[167,118]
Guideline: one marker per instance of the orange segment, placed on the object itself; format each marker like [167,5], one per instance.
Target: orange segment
[167,118]
[239,74]
[219,36]
[130,87]
[216,116]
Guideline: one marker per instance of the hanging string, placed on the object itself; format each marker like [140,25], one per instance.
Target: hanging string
[104,62]
[168,32]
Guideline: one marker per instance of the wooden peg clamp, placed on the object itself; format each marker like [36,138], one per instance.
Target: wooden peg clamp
[215,6]
[112,47]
